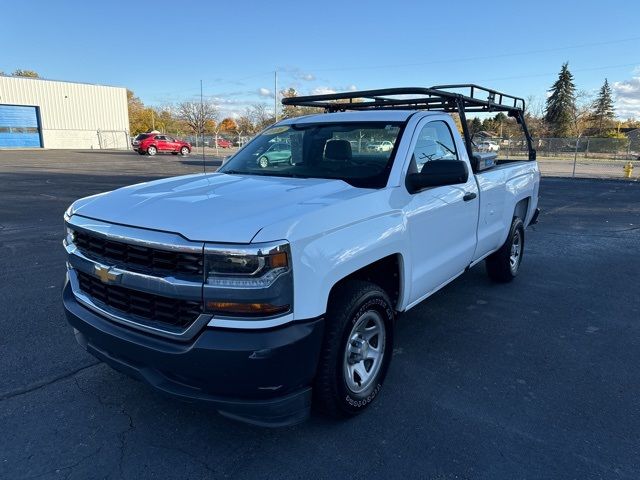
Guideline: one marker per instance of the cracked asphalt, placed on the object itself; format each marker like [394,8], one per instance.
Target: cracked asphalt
[535,379]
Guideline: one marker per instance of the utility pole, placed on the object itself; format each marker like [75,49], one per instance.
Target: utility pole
[204,168]
[275,94]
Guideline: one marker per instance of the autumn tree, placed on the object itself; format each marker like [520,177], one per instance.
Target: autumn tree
[228,125]
[140,117]
[602,113]
[561,104]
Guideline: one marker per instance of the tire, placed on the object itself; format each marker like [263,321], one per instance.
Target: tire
[503,265]
[151,151]
[354,307]
[140,152]
[184,151]
[263,162]
[290,161]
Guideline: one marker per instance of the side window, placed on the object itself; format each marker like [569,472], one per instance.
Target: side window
[435,142]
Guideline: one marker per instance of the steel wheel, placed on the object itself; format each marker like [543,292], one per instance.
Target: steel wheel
[516,249]
[364,351]
[151,151]
[263,162]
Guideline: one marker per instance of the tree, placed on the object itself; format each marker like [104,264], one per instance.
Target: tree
[228,125]
[196,115]
[260,116]
[561,104]
[474,125]
[25,73]
[602,113]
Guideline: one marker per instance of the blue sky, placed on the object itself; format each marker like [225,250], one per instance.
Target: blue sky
[161,50]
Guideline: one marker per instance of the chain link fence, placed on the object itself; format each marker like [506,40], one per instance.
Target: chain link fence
[575,157]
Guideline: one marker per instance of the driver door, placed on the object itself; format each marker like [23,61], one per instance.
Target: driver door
[442,221]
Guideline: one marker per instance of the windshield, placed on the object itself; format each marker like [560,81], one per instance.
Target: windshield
[361,154]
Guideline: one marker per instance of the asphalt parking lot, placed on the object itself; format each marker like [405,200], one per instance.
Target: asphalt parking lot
[535,379]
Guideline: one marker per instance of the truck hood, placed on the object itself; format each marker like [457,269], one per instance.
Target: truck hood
[214,207]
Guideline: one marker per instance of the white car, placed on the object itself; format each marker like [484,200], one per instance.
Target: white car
[257,288]
[488,146]
[384,146]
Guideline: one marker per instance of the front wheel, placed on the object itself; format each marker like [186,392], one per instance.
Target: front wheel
[503,265]
[184,151]
[357,349]
[151,151]
[263,162]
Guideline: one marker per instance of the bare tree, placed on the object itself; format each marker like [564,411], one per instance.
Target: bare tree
[581,113]
[260,116]
[196,115]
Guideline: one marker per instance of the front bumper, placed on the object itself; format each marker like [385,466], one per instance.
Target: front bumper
[261,377]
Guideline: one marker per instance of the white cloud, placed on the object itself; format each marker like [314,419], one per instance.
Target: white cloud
[265,92]
[308,77]
[323,91]
[352,88]
[628,97]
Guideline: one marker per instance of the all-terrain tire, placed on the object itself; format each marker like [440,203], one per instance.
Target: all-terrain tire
[350,305]
[503,264]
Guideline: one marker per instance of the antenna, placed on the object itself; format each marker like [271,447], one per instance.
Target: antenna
[204,165]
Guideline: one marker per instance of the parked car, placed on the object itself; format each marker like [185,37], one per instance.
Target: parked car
[152,143]
[256,289]
[384,146]
[224,143]
[488,146]
[276,153]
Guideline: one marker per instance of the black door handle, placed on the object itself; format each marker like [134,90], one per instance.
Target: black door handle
[469,196]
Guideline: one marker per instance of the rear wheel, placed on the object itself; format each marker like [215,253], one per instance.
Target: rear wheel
[357,349]
[151,151]
[504,264]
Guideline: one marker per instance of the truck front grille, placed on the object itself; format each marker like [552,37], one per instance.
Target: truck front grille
[155,308]
[137,258]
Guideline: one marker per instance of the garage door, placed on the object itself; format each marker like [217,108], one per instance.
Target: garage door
[19,126]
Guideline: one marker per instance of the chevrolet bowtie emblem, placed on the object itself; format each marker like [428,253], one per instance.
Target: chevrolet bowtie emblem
[106,275]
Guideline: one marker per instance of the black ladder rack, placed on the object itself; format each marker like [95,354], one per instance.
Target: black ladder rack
[457,98]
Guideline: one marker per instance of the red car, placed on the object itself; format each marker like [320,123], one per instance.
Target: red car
[152,143]
[224,143]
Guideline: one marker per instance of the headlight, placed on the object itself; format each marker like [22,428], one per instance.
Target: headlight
[254,280]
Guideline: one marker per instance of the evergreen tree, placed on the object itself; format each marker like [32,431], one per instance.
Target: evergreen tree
[561,105]
[475,125]
[602,112]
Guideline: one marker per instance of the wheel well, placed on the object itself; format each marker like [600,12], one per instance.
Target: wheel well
[522,207]
[384,272]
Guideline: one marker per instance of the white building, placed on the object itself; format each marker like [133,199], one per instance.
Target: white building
[51,114]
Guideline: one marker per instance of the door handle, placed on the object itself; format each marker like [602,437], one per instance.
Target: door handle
[469,196]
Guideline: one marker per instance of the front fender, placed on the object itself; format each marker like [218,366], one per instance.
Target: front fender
[322,261]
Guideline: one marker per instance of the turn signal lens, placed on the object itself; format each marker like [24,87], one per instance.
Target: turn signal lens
[232,308]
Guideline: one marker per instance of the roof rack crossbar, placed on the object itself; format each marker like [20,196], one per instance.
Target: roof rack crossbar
[442,97]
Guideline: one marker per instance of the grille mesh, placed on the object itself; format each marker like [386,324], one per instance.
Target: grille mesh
[166,311]
[138,258]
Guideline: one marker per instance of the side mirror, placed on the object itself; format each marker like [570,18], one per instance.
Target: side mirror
[437,173]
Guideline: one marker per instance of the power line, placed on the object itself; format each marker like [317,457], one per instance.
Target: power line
[484,57]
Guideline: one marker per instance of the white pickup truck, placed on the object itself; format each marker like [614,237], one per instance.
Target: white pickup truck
[263,286]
